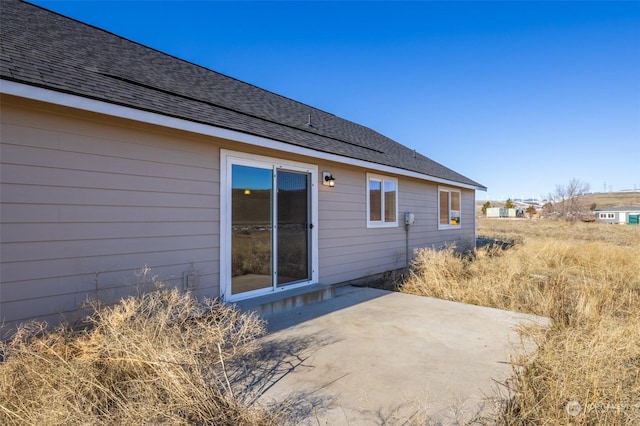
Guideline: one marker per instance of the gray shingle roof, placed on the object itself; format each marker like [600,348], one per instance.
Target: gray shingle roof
[41,48]
[618,209]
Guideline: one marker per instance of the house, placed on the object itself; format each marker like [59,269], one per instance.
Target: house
[628,214]
[504,212]
[121,163]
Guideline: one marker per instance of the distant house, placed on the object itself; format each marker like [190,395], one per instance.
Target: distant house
[119,162]
[628,215]
[503,212]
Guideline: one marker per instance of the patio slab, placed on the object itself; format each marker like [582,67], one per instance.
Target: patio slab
[369,356]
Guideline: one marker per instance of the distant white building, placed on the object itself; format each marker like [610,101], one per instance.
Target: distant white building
[503,212]
[629,215]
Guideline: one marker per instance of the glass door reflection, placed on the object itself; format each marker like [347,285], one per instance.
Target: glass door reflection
[251,228]
[293,227]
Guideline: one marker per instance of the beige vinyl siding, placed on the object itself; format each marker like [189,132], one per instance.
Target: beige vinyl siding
[88,203]
[425,232]
[349,250]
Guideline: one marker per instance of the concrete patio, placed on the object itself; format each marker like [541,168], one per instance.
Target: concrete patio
[368,357]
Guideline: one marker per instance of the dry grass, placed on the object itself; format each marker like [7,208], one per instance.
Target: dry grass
[577,232]
[586,278]
[153,359]
[613,199]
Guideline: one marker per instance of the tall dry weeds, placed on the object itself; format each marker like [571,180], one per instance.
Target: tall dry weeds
[158,358]
[586,278]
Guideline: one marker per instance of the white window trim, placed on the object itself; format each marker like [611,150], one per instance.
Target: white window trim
[448,226]
[227,159]
[381,223]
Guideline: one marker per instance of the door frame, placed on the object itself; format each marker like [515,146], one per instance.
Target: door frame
[227,158]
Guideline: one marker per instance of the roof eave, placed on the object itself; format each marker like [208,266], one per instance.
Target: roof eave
[37,93]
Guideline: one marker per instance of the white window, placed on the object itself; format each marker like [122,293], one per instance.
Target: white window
[448,208]
[382,201]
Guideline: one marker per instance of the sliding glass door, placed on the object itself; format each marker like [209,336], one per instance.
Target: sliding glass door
[270,227]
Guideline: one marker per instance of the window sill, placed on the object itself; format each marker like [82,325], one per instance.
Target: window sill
[382,224]
[445,227]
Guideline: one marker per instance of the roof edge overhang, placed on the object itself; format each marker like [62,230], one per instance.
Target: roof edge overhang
[617,209]
[36,93]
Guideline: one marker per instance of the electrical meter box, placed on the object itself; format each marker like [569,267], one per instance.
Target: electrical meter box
[409,219]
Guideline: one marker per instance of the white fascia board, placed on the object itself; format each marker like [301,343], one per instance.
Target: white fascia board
[102,107]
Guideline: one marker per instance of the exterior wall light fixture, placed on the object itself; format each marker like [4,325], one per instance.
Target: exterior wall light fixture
[328,179]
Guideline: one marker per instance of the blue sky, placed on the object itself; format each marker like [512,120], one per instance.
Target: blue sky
[519,96]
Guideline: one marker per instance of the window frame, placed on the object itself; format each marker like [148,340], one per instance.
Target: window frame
[382,179]
[449,190]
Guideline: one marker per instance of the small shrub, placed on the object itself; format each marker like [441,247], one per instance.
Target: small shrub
[152,359]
